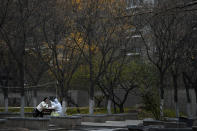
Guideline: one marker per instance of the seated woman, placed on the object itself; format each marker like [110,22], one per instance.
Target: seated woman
[38,111]
[55,104]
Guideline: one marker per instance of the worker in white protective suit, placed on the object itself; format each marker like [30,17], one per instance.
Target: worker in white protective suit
[57,106]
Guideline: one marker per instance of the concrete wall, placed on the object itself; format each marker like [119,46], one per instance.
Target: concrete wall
[182,101]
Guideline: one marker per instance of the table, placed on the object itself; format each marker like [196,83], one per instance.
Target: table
[47,111]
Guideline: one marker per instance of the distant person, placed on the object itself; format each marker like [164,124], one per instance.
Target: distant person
[55,104]
[38,111]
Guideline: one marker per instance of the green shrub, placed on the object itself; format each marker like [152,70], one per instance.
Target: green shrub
[169,113]
[151,102]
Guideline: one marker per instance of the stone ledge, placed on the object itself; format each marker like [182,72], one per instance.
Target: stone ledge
[175,125]
[170,129]
[152,122]
[9,114]
[106,117]
[194,128]
[14,129]
[2,123]
[135,128]
[30,123]
[66,122]
[14,114]
[28,118]
[65,117]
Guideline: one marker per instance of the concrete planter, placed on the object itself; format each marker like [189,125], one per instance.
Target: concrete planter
[171,129]
[95,118]
[28,114]
[169,119]
[14,114]
[126,116]
[2,123]
[30,123]
[135,128]
[9,114]
[175,125]
[101,118]
[152,122]
[194,128]
[66,122]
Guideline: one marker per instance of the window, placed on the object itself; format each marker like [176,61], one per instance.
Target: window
[149,1]
[138,3]
[134,3]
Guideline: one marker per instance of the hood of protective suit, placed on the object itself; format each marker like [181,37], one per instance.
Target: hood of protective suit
[57,106]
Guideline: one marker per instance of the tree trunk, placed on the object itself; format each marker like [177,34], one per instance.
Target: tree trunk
[22,106]
[34,98]
[109,106]
[177,109]
[161,96]
[115,110]
[189,114]
[195,89]
[91,99]
[64,106]
[91,68]
[161,107]
[63,96]
[21,68]
[91,106]
[196,109]
[121,107]
[187,95]
[6,99]
[188,103]
[176,95]
[6,104]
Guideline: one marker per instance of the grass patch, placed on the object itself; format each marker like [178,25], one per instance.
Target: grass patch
[142,113]
[172,113]
[16,109]
[70,110]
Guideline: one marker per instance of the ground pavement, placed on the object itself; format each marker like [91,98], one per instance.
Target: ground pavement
[107,126]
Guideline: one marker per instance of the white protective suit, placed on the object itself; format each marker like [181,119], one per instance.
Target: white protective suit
[57,106]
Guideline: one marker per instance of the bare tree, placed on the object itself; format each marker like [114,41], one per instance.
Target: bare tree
[168,31]
[5,69]
[57,50]
[189,64]
[96,22]
[16,31]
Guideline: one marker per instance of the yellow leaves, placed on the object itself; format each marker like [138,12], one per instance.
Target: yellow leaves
[128,26]
[78,39]
[193,57]
[75,38]
[92,47]
[77,3]
[45,44]
[97,4]
[60,46]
